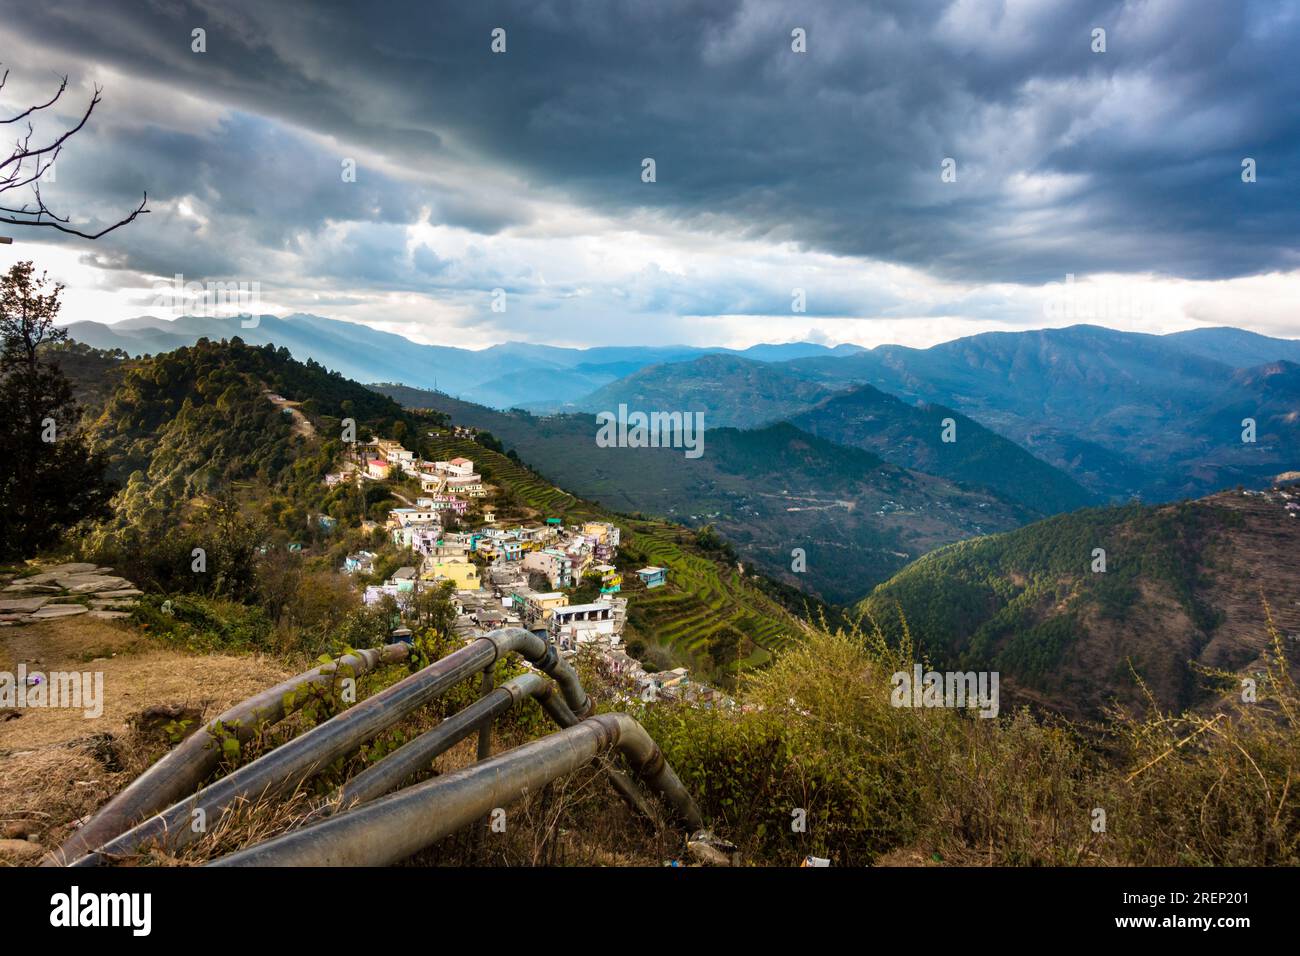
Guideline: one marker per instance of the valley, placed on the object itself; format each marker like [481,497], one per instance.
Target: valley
[754,486]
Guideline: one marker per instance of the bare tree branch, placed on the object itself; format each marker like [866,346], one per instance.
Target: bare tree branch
[28,112]
[27,164]
[54,222]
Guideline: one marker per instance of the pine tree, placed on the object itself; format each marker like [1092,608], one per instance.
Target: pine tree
[49,480]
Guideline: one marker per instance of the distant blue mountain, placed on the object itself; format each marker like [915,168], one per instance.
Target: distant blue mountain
[1236,347]
[501,376]
[1124,413]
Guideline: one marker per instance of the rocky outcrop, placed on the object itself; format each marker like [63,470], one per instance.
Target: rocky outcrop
[67,590]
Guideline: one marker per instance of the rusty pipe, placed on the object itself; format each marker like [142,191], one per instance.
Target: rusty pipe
[396,826]
[182,769]
[288,765]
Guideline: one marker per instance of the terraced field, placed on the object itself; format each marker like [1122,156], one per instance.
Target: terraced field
[704,601]
[702,597]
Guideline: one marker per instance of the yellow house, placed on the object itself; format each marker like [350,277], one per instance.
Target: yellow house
[537,608]
[463,573]
[549,601]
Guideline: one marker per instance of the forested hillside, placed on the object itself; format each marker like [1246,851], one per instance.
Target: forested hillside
[914,436]
[1125,413]
[1075,609]
[728,390]
[194,430]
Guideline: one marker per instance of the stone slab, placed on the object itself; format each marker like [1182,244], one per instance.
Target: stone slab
[52,611]
[25,604]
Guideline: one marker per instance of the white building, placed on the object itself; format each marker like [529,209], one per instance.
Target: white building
[456,468]
[582,624]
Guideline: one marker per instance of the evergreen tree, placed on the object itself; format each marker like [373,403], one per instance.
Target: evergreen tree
[48,478]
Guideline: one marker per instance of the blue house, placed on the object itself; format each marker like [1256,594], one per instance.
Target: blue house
[653,577]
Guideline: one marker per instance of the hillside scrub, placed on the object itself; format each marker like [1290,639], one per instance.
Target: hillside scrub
[817,733]
[195,426]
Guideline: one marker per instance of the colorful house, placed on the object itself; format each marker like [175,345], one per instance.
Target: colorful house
[362,562]
[536,608]
[580,624]
[653,577]
[555,564]
[611,582]
[456,468]
[463,573]
[449,503]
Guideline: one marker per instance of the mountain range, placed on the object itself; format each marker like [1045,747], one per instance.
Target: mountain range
[971,436]
[858,515]
[1123,414]
[981,580]
[1126,414]
[502,376]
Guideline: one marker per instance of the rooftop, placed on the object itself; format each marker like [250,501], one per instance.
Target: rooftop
[580,608]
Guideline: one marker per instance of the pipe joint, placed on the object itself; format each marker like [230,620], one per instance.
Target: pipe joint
[548,661]
[653,763]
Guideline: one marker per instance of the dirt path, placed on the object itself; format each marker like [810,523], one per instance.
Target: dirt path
[301,425]
[59,764]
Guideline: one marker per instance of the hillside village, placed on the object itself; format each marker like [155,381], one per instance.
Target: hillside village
[527,575]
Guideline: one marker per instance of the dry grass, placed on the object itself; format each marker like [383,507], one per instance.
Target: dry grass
[57,765]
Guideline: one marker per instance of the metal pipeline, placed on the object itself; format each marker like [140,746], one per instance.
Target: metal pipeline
[288,765]
[396,826]
[390,772]
[185,767]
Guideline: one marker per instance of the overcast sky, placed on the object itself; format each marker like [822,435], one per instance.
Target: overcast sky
[775,170]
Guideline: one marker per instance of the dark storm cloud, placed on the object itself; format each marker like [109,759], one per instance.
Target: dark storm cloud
[254,185]
[1068,161]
